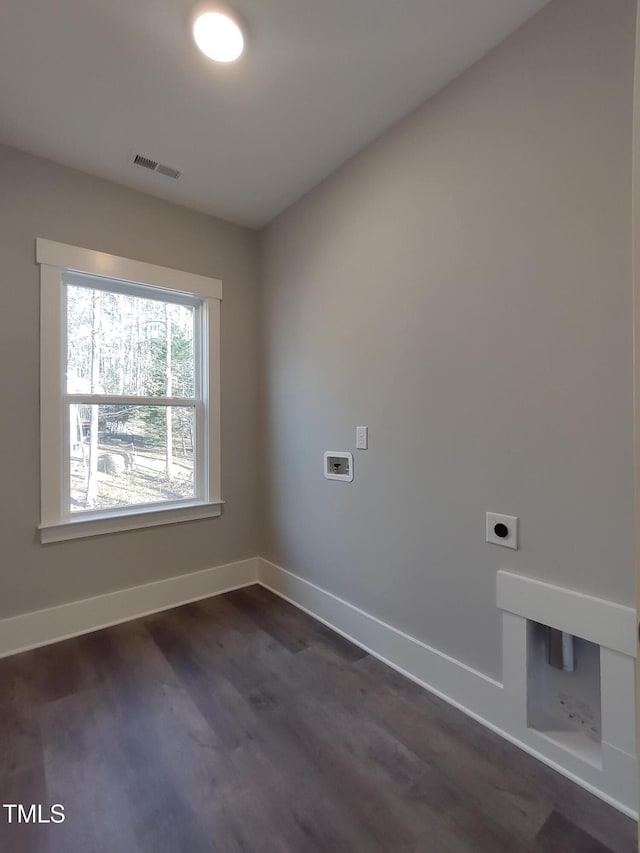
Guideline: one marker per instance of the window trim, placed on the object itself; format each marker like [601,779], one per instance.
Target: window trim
[54,260]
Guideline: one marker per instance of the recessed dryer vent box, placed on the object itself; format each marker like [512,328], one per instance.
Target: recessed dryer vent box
[338,465]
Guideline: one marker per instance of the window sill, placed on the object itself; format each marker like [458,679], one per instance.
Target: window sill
[97,525]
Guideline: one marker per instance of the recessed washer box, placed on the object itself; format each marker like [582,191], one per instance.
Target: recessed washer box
[338,465]
[566,707]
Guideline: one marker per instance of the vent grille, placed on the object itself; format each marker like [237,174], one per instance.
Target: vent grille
[155,166]
[168,171]
[146,162]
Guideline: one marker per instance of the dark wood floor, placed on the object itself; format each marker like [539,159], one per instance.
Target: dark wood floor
[240,724]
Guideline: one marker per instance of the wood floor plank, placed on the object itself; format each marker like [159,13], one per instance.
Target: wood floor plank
[537,787]
[281,623]
[229,716]
[394,748]
[527,790]
[239,724]
[27,786]
[303,820]
[386,774]
[82,775]
[356,812]
[21,743]
[559,835]
[288,624]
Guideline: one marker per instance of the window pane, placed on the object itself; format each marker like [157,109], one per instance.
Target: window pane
[128,345]
[127,455]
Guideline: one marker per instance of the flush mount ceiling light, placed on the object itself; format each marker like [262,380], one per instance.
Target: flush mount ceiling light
[216,31]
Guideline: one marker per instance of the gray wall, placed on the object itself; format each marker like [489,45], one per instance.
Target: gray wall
[463,287]
[40,199]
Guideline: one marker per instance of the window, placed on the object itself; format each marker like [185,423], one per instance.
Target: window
[130,414]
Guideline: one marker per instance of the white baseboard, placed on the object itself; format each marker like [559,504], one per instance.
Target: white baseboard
[41,627]
[500,707]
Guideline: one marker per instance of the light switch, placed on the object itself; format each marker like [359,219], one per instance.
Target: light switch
[362,437]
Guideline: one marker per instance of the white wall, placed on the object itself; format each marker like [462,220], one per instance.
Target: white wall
[463,287]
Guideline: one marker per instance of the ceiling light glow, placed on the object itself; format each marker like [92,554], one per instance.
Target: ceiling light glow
[218,36]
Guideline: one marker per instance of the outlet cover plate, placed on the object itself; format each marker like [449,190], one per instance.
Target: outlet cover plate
[510,522]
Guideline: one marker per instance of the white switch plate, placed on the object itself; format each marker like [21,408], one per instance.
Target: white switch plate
[510,522]
[362,437]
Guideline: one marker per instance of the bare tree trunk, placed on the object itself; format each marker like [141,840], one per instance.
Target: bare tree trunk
[92,479]
[80,436]
[169,433]
[121,356]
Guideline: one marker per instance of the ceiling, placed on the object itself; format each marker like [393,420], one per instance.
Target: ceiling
[88,82]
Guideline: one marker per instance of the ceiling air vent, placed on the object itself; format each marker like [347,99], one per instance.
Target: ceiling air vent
[146,162]
[154,166]
[168,171]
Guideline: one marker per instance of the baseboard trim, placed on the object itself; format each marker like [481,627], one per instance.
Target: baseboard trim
[43,627]
[606,623]
[482,698]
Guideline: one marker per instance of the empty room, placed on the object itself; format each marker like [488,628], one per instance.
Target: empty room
[320,431]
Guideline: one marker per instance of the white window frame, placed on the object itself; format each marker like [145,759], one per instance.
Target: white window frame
[57,522]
